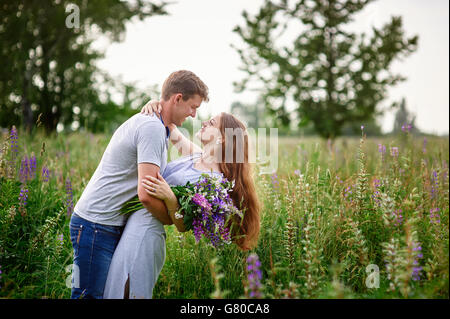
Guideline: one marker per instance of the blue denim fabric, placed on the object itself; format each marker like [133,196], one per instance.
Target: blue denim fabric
[93,248]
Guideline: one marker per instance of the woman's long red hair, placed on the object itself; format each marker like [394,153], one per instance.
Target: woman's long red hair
[244,191]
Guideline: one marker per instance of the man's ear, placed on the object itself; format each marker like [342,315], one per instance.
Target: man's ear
[178,97]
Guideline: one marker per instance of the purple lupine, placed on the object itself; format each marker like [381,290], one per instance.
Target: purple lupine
[45,174]
[406,128]
[23,197]
[201,201]
[382,150]
[14,137]
[254,276]
[418,255]
[398,217]
[275,183]
[394,152]
[69,197]
[24,170]
[377,194]
[349,191]
[376,183]
[32,166]
[27,169]
[424,148]
[434,185]
[434,216]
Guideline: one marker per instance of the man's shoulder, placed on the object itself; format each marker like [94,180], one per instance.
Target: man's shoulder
[148,126]
[146,122]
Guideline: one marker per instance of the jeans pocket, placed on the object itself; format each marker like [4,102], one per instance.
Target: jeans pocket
[112,231]
[75,237]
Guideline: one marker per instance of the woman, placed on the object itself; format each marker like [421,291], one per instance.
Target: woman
[140,254]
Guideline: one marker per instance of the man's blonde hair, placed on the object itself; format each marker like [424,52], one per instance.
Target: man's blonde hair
[186,83]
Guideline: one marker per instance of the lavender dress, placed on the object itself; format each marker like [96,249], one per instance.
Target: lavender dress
[141,251]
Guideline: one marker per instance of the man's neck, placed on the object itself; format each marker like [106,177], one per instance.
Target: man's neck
[166,113]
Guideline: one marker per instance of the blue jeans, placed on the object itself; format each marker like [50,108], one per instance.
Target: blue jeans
[93,248]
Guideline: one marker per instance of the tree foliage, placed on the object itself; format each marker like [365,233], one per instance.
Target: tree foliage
[49,69]
[332,76]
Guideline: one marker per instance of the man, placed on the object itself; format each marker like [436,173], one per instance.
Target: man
[137,148]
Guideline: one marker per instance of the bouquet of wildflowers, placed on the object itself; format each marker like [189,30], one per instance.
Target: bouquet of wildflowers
[206,208]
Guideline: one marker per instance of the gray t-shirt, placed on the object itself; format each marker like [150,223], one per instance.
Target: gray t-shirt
[140,139]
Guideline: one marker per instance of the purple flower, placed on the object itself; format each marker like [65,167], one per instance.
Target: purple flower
[14,144]
[27,169]
[434,185]
[69,197]
[45,174]
[23,197]
[201,201]
[297,172]
[376,183]
[254,276]
[424,149]
[434,216]
[406,127]
[23,173]
[394,152]
[417,249]
[275,183]
[397,214]
[32,166]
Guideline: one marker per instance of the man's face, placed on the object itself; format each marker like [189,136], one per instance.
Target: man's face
[183,109]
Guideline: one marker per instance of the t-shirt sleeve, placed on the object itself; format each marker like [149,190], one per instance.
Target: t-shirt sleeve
[150,142]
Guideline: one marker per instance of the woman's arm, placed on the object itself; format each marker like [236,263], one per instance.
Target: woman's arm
[159,188]
[183,145]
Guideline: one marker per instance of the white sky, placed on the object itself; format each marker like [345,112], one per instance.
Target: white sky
[197,35]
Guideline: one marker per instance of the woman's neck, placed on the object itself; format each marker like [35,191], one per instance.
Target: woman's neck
[209,159]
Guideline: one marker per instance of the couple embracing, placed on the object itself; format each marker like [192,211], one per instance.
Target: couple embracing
[118,256]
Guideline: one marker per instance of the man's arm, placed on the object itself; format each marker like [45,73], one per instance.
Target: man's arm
[155,206]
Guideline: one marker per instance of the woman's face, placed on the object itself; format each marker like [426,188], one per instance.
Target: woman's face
[210,131]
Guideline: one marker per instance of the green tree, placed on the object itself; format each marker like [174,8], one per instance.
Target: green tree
[332,76]
[48,63]
[252,114]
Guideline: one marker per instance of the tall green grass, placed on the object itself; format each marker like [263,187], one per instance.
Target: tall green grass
[328,213]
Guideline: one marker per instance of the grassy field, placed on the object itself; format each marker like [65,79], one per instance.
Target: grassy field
[335,219]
